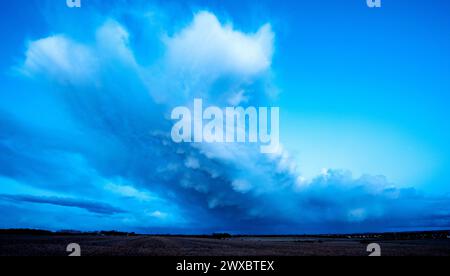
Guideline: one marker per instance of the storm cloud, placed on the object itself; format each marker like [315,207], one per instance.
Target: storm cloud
[90,130]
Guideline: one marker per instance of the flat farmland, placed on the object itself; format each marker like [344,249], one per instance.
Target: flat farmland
[28,245]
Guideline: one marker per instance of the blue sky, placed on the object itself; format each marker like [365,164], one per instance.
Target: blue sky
[85,95]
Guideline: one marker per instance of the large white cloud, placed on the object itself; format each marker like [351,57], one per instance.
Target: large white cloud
[207,51]
[206,46]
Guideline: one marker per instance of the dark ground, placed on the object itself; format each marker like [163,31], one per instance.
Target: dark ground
[29,245]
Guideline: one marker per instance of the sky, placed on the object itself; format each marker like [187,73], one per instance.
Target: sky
[86,95]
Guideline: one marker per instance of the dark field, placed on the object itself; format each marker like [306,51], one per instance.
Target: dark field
[28,245]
